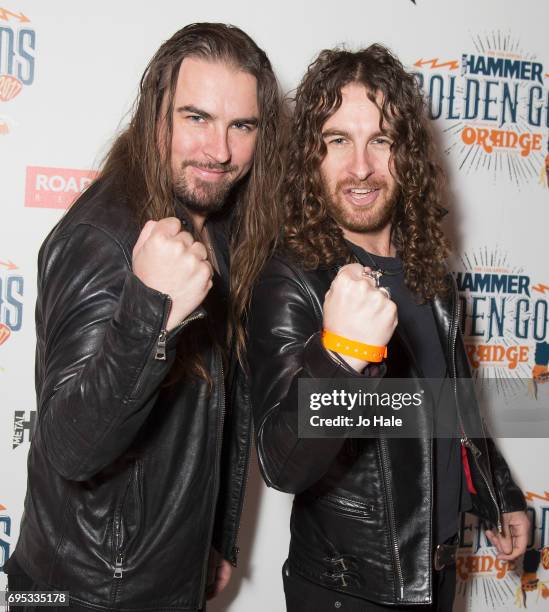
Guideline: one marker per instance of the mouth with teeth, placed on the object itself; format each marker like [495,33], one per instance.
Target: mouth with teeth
[361,196]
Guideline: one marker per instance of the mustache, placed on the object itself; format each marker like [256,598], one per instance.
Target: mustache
[218,167]
[366,184]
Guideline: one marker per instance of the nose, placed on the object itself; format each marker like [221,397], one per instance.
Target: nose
[360,165]
[217,146]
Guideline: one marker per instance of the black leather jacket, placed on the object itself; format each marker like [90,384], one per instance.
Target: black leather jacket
[362,516]
[130,480]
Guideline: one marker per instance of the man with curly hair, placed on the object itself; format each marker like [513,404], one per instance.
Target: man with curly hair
[361,267]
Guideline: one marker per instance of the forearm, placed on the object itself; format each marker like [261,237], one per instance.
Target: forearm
[89,420]
[290,463]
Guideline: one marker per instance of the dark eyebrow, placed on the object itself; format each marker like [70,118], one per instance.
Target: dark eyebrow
[194,110]
[189,108]
[248,121]
[335,132]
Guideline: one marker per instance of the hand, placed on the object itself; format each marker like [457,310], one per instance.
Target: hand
[512,543]
[172,262]
[219,574]
[354,308]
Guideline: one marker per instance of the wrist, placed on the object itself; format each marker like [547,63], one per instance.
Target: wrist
[348,348]
[357,364]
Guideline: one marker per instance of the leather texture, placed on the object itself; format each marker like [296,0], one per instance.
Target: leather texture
[130,480]
[362,514]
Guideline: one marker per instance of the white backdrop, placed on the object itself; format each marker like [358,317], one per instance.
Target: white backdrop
[68,75]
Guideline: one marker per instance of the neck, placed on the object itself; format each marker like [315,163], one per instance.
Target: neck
[198,221]
[377,243]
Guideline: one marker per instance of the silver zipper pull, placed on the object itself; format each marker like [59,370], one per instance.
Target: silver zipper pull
[118,567]
[160,354]
[468,444]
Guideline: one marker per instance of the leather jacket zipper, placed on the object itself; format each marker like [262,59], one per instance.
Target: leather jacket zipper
[121,543]
[119,557]
[118,569]
[161,342]
[392,519]
[476,454]
[160,354]
[464,439]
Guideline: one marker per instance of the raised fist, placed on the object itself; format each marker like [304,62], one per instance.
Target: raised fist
[172,262]
[355,309]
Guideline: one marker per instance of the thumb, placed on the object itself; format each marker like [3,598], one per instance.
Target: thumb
[143,236]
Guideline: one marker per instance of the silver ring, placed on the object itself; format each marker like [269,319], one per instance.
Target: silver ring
[386,291]
[375,276]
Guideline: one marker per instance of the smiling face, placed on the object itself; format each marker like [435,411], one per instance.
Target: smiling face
[356,171]
[215,121]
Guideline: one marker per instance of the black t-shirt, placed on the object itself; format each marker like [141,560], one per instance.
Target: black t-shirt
[416,323]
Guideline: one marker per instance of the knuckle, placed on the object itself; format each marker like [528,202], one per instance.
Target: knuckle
[187,237]
[172,224]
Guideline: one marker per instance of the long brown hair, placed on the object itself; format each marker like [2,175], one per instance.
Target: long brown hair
[310,233]
[142,166]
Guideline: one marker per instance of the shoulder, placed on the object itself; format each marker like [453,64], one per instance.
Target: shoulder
[283,264]
[100,225]
[285,272]
[101,211]
[284,281]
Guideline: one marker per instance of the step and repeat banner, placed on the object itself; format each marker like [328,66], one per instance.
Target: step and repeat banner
[68,76]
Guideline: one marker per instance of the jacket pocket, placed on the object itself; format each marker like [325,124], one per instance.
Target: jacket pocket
[344,506]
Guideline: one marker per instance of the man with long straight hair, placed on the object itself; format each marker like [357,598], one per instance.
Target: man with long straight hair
[361,265]
[138,463]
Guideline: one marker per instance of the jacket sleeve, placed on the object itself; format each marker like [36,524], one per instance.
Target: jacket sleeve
[284,346]
[97,329]
[510,497]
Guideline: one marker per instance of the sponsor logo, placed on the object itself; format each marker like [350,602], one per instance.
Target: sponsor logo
[17,54]
[494,99]
[504,316]
[505,584]
[5,535]
[12,287]
[55,187]
[23,427]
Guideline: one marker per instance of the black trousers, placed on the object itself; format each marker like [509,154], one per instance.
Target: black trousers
[305,596]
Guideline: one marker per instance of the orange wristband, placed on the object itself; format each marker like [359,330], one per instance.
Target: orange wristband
[342,345]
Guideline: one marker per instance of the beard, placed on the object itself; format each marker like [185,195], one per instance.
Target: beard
[204,197]
[371,218]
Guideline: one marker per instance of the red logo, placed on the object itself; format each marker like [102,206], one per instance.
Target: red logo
[55,187]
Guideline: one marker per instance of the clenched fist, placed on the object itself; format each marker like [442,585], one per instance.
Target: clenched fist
[354,308]
[172,262]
